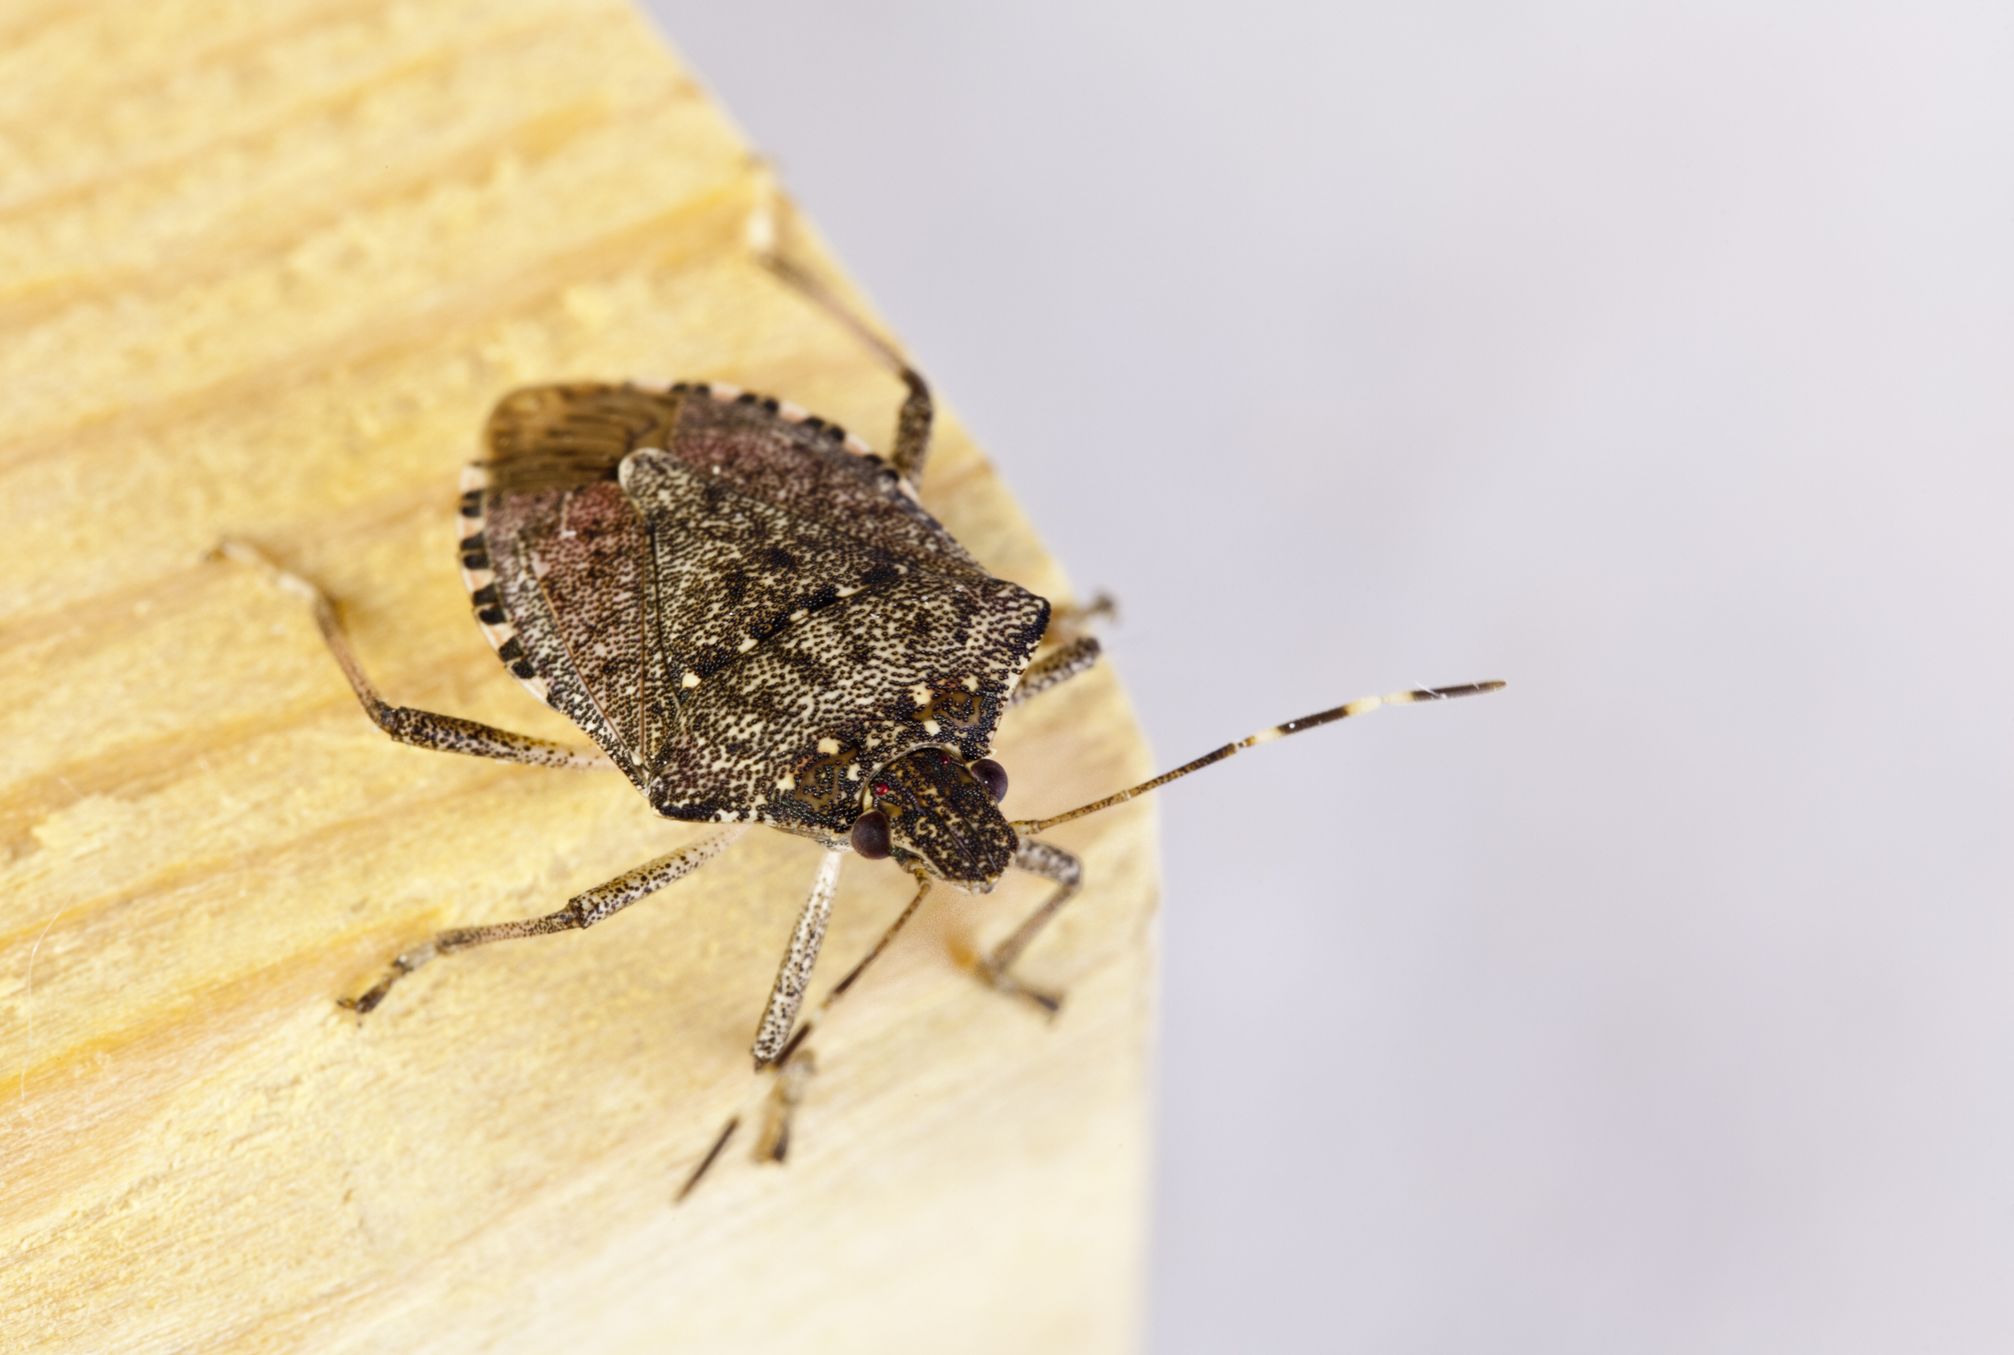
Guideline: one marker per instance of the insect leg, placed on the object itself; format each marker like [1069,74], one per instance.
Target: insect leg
[791,1080]
[1056,667]
[912,423]
[793,1062]
[794,973]
[1051,863]
[420,728]
[803,1032]
[774,1143]
[582,910]
[706,1161]
[1067,620]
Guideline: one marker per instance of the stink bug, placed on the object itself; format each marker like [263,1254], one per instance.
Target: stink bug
[755,620]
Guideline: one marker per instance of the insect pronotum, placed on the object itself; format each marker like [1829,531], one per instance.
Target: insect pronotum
[755,620]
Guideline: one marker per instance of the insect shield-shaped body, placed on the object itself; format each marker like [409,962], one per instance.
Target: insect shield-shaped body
[752,616]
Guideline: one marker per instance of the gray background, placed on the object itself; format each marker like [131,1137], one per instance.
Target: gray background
[1655,357]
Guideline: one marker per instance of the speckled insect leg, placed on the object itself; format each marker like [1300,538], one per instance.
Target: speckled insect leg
[794,974]
[419,728]
[793,1062]
[839,989]
[582,910]
[1055,668]
[1051,863]
[912,423]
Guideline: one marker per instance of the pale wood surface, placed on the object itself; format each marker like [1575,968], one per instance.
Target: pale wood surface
[263,268]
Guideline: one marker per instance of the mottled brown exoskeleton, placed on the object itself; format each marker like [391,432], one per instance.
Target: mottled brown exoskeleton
[755,620]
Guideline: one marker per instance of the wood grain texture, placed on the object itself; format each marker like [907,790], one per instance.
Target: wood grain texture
[263,269]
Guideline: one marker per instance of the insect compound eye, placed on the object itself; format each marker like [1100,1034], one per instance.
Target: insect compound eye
[993,776]
[870,835]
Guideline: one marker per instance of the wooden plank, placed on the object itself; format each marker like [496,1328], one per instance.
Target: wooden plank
[263,269]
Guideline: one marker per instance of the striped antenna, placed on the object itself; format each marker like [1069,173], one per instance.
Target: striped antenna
[1361,706]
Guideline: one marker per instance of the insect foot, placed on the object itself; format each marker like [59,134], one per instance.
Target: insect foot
[1067,620]
[792,1076]
[995,976]
[792,1079]
[789,1077]
[367,1001]
[1066,872]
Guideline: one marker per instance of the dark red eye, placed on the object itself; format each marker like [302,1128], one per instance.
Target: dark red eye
[993,776]
[870,835]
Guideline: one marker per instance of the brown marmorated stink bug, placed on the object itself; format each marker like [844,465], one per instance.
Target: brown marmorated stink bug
[756,621]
